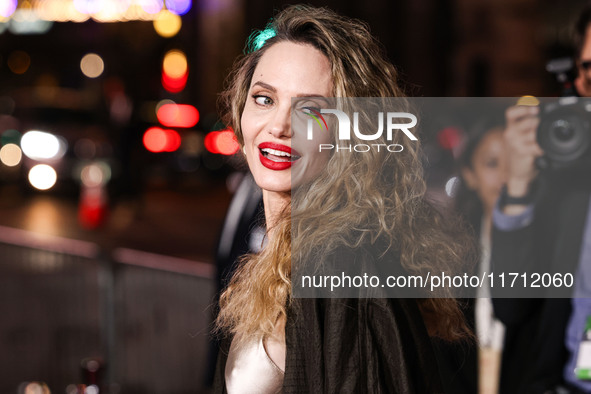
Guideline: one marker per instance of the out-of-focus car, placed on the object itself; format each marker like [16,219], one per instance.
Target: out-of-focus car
[56,148]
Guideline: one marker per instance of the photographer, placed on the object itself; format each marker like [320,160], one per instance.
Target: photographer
[583,47]
[543,220]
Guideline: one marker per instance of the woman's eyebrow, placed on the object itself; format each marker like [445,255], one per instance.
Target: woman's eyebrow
[311,95]
[265,86]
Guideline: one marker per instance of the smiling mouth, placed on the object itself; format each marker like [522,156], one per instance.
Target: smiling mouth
[278,156]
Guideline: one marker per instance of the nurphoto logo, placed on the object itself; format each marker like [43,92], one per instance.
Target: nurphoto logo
[393,122]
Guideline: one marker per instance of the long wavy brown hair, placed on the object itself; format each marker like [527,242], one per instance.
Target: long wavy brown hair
[370,196]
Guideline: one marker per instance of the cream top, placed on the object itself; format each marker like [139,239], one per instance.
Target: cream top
[249,369]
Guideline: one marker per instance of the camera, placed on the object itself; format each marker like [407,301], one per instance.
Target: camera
[565,133]
[565,124]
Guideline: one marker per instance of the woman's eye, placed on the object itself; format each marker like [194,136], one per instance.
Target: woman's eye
[263,100]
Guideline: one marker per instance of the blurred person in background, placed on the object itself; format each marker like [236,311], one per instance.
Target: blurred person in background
[582,43]
[542,220]
[376,202]
[482,166]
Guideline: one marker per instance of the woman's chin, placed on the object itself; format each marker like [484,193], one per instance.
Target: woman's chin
[271,187]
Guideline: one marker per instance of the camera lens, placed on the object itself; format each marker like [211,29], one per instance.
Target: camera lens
[564,134]
[562,130]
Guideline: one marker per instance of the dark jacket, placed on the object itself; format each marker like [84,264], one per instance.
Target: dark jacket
[534,353]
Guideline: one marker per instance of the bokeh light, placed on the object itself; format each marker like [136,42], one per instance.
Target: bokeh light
[175,63]
[10,136]
[37,16]
[167,24]
[39,145]
[161,103]
[178,115]
[174,140]
[92,176]
[95,174]
[7,7]
[27,21]
[91,365]
[174,85]
[136,12]
[88,6]
[71,389]
[222,142]
[226,143]
[92,65]
[161,140]
[92,389]
[42,177]
[19,62]
[151,6]
[112,11]
[11,155]
[175,71]
[35,388]
[209,142]
[155,139]
[179,7]
[60,11]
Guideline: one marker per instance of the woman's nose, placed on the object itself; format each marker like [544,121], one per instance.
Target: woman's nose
[280,126]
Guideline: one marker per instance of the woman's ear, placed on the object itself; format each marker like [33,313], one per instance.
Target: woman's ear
[470,178]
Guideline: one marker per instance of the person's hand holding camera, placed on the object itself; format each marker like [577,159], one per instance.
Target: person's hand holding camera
[522,151]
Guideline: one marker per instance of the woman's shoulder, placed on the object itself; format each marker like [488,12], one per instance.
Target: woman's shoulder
[368,342]
[359,314]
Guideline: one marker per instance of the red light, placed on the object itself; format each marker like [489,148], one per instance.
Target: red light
[92,209]
[226,143]
[222,142]
[155,139]
[91,216]
[174,85]
[178,115]
[173,140]
[449,137]
[209,142]
[161,140]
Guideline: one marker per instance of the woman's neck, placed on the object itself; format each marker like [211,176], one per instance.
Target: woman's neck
[274,203]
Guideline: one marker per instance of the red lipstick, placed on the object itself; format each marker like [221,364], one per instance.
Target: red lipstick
[277,157]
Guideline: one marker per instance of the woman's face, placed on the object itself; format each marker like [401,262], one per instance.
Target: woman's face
[488,172]
[276,150]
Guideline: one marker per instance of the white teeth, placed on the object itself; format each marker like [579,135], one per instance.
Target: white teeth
[275,152]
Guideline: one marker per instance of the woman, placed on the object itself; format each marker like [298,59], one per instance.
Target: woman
[482,166]
[370,206]
[483,174]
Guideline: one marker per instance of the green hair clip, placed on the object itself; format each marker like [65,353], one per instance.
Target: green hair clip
[258,38]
